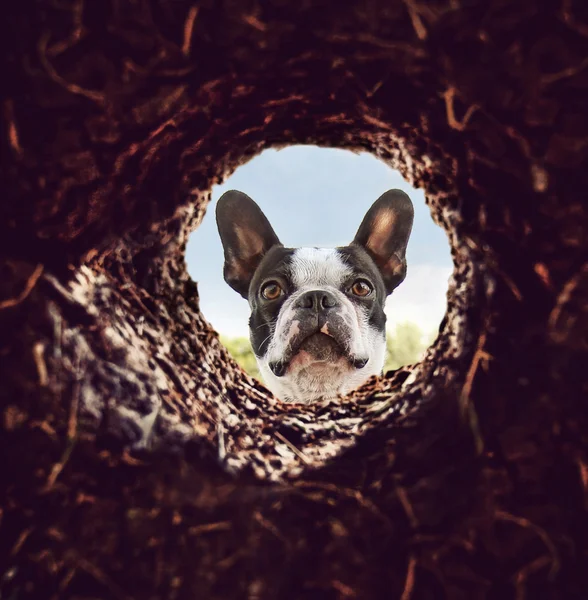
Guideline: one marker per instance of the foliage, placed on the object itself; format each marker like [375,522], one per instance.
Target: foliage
[404,346]
[240,349]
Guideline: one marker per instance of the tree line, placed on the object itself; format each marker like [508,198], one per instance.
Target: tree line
[405,345]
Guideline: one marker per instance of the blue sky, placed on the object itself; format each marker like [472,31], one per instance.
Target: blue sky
[317,197]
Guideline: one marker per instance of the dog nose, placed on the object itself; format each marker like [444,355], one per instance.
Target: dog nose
[316,300]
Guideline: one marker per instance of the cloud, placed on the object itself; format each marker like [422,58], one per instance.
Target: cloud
[421,298]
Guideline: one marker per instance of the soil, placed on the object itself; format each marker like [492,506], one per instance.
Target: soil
[138,460]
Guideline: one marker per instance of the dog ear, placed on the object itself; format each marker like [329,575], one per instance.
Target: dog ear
[384,234]
[246,235]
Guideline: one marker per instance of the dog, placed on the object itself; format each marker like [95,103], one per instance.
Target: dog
[317,324]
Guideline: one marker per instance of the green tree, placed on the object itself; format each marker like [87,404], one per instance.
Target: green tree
[405,345]
[240,349]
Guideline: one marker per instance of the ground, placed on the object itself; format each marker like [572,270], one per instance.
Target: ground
[139,460]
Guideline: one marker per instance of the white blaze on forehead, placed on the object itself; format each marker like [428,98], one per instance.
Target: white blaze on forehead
[318,267]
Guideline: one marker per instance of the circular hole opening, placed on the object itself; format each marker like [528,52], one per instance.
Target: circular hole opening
[317,197]
[271,439]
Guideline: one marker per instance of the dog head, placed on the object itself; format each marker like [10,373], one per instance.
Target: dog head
[317,324]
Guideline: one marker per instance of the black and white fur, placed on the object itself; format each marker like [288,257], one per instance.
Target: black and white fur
[319,338]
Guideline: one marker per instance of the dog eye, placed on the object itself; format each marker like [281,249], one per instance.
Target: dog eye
[361,288]
[271,290]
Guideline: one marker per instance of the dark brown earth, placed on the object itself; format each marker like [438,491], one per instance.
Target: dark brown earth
[138,461]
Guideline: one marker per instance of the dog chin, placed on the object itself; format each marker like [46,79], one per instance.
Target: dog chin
[318,368]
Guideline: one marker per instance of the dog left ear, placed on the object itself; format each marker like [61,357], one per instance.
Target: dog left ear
[246,235]
[384,234]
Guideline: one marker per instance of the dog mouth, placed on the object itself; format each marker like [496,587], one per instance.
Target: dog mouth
[321,347]
[317,347]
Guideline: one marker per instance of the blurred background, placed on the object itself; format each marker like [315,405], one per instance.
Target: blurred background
[317,197]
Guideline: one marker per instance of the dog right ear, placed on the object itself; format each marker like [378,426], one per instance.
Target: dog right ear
[384,234]
[246,235]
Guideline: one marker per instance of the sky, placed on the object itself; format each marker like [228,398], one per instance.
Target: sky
[318,197]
